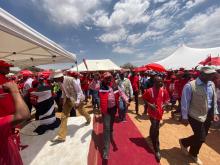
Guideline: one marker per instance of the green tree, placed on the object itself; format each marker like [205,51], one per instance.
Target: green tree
[128,66]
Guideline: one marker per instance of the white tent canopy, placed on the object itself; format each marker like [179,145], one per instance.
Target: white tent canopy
[187,57]
[24,47]
[97,65]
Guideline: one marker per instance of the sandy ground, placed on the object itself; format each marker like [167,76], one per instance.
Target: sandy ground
[170,133]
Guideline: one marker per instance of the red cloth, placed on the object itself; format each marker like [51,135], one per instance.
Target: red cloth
[128,139]
[9,153]
[84,83]
[94,85]
[103,94]
[6,101]
[157,97]
[134,83]
[167,83]
[179,84]
[5,64]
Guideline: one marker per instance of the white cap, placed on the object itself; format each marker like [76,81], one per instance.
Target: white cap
[207,70]
[58,74]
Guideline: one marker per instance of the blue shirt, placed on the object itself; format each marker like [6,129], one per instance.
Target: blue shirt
[187,96]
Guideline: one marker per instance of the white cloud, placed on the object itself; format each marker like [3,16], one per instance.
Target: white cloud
[123,50]
[148,35]
[88,28]
[202,25]
[162,17]
[161,23]
[125,12]
[135,38]
[168,8]
[114,36]
[202,31]
[72,12]
[141,55]
[159,1]
[162,53]
[138,62]
[82,51]
[192,3]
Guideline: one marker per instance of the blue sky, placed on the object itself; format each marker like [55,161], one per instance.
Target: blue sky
[135,31]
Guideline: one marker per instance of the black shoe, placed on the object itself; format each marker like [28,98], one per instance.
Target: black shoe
[183,148]
[158,156]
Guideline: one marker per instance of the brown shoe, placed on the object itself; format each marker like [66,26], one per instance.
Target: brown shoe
[57,140]
[87,123]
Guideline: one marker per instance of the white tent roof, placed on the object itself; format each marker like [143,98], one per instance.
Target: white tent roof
[97,65]
[24,47]
[187,57]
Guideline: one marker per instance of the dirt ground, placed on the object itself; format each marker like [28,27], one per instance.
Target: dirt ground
[170,132]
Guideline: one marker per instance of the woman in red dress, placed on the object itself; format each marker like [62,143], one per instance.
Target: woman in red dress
[12,111]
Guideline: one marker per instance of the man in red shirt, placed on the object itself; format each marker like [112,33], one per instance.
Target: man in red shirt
[85,86]
[179,84]
[135,85]
[12,111]
[157,99]
[6,101]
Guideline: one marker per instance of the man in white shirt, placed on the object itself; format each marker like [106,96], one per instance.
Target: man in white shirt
[72,96]
[27,85]
[124,84]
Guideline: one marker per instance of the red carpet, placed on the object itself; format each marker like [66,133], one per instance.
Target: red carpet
[132,147]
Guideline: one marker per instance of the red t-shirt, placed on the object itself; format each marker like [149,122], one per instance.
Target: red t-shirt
[134,83]
[6,101]
[85,83]
[179,84]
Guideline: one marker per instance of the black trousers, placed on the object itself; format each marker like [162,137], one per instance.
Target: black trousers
[200,130]
[28,102]
[136,100]
[108,122]
[154,134]
[57,100]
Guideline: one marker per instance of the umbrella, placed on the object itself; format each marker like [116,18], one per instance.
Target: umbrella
[155,67]
[211,61]
[45,73]
[140,69]
[26,73]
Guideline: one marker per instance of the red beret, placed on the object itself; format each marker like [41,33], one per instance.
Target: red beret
[5,64]
[71,73]
[173,77]
[180,72]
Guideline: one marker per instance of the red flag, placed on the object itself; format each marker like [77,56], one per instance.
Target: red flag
[206,61]
[84,60]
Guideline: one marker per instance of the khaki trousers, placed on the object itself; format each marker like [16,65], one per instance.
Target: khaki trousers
[65,114]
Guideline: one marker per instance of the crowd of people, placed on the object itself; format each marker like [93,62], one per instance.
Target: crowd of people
[192,94]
